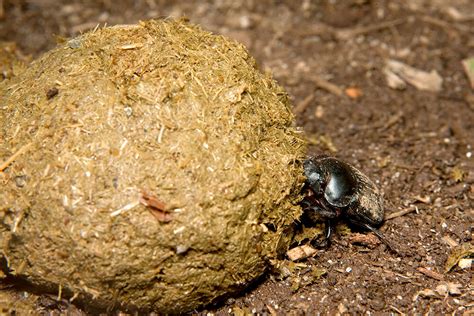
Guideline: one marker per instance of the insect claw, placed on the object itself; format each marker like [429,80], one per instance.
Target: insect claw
[325,243]
[382,238]
[326,240]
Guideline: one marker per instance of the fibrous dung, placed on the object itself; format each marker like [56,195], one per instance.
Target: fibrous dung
[151,167]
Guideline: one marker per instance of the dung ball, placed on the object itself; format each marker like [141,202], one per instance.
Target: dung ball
[149,167]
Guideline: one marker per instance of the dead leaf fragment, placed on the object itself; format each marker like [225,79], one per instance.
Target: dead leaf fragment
[442,289]
[300,252]
[448,288]
[156,207]
[454,288]
[161,216]
[462,251]
[425,293]
[457,174]
[468,65]
[394,81]
[316,272]
[422,80]
[465,263]
[152,201]
[369,240]
[304,279]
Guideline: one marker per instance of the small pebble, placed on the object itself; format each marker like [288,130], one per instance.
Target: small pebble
[128,111]
[74,43]
[20,181]
[51,93]
[180,249]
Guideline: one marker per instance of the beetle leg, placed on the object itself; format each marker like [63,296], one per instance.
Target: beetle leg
[306,203]
[382,238]
[328,230]
[313,205]
[326,241]
[319,208]
[377,233]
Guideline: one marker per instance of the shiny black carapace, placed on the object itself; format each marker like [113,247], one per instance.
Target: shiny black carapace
[336,189]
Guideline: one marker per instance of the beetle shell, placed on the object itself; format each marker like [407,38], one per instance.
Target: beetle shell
[344,186]
[370,201]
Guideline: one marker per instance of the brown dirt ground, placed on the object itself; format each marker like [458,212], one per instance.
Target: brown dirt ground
[418,145]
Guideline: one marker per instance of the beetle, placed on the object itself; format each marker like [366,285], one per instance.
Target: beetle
[336,189]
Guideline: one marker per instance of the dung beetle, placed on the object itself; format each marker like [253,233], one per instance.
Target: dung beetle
[336,189]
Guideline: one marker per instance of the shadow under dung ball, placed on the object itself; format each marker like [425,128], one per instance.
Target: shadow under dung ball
[151,167]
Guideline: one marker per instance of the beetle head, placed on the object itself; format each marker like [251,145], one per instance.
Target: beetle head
[314,175]
[332,178]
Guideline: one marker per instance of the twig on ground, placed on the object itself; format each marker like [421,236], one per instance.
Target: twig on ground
[401,213]
[384,124]
[328,86]
[394,119]
[397,310]
[346,34]
[301,107]
[432,274]
[450,242]
[444,24]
